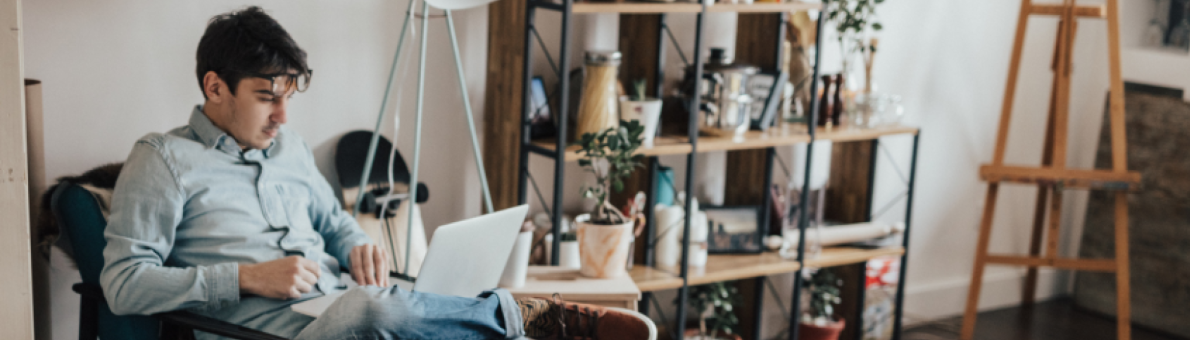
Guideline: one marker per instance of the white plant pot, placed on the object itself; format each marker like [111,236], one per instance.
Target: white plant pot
[648,112]
[603,248]
[568,254]
[518,262]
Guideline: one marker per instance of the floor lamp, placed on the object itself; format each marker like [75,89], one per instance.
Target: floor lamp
[447,6]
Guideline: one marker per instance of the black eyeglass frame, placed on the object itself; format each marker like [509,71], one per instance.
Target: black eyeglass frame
[299,81]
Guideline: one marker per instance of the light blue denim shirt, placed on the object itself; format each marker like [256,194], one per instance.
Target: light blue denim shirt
[190,205]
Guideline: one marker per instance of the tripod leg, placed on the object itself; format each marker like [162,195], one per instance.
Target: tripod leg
[483,178]
[371,157]
[421,91]
[981,253]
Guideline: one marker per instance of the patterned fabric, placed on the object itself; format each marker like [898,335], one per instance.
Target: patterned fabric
[535,313]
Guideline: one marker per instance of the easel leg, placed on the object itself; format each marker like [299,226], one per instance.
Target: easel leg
[1123,301]
[1029,293]
[981,253]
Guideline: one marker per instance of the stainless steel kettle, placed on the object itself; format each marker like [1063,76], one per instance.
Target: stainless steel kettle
[725,104]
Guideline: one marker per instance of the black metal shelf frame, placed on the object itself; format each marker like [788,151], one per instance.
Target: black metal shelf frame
[565,8]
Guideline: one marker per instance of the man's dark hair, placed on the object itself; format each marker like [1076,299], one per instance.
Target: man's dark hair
[247,42]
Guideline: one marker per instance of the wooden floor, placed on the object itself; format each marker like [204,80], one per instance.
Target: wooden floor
[1050,320]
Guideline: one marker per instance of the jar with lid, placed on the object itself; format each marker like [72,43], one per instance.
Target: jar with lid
[599,99]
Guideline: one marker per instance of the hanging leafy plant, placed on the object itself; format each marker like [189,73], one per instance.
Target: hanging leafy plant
[853,18]
[823,289]
[714,304]
[611,156]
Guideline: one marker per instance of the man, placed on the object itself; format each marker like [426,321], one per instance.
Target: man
[228,217]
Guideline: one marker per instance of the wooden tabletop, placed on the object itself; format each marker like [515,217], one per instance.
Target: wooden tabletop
[544,281]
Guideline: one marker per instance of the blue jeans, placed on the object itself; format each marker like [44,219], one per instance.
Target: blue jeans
[372,312]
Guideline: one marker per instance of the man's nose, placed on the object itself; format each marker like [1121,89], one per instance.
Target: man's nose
[280,108]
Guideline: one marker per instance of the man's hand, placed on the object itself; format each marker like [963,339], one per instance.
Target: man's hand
[286,278]
[369,265]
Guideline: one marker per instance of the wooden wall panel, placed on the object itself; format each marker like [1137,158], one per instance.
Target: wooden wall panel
[502,100]
[16,289]
[756,44]
[638,45]
[847,190]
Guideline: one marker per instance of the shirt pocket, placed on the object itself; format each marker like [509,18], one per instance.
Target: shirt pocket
[296,200]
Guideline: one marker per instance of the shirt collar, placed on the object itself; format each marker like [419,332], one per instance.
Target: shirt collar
[214,137]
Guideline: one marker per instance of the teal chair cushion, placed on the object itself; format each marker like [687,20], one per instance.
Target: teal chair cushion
[82,221]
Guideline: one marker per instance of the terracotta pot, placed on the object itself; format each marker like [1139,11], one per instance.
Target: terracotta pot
[603,249]
[693,332]
[815,332]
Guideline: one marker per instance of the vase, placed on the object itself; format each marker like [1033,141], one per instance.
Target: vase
[603,249]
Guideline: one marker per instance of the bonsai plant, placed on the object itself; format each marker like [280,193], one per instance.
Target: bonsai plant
[604,235]
[714,304]
[819,323]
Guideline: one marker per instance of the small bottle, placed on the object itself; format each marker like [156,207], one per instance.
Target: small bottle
[838,106]
[824,103]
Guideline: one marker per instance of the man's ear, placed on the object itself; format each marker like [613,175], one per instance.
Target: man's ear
[214,87]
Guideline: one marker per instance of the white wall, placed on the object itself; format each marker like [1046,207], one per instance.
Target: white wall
[114,71]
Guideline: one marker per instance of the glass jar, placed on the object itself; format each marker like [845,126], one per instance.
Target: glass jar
[598,102]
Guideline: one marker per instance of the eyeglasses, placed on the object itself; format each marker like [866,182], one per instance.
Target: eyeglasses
[281,82]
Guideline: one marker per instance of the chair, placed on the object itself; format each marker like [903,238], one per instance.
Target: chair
[82,222]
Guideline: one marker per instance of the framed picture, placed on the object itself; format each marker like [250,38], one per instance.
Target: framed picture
[541,120]
[766,89]
[734,229]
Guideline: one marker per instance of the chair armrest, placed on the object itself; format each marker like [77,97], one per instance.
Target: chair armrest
[188,320]
[214,326]
[88,290]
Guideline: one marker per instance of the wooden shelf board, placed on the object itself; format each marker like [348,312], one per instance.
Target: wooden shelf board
[783,135]
[651,279]
[841,256]
[636,7]
[664,145]
[736,267]
[764,7]
[689,7]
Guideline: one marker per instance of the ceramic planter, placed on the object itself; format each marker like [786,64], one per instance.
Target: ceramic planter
[692,333]
[815,332]
[648,112]
[603,249]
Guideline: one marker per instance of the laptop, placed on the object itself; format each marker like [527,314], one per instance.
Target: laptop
[464,259]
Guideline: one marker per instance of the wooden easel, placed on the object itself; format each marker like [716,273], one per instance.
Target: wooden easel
[1052,175]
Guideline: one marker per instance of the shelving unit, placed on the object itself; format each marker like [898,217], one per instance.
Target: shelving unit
[719,267]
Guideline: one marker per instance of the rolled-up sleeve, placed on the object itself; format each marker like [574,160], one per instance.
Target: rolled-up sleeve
[147,207]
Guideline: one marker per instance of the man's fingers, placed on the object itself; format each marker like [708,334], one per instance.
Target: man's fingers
[369,265]
[381,267]
[303,287]
[357,268]
[311,266]
[307,277]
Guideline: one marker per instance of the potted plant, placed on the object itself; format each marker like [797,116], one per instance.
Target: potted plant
[639,107]
[605,235]
[819,322]
[714,304]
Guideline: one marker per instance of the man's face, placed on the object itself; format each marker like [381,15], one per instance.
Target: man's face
[254,113]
